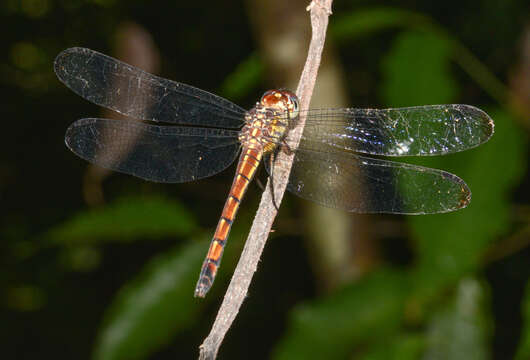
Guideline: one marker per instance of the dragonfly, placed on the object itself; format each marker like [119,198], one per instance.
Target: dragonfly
[182,133]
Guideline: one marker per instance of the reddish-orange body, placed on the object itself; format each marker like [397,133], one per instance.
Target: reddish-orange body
[265,127]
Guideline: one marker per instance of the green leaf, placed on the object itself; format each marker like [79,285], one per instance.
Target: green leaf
[461,329]
[365,22]
[523,352]
[243,79]
[125,220]
[451,245]
[417,71]
[159,302]
[400,347]
[152,308]
[331,327]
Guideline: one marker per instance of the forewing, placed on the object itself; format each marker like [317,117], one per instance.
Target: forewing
[412,131]
[171,154]
[128,90]
[367,185]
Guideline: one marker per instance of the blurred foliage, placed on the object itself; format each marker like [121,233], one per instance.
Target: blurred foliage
[524,349]
[330,327]
[415,62]
[402,347]
[449,246]
[243,79]
[127,219]
[148,311]
[438,307]
[461,328]
[372,20]
[157,302]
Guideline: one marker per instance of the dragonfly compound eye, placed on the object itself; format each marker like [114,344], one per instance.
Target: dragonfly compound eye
[283,100]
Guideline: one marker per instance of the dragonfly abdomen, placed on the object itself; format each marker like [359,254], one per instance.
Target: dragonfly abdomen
[264,129]
[246,169]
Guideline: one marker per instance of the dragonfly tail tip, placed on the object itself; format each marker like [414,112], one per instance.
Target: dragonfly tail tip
[202,288]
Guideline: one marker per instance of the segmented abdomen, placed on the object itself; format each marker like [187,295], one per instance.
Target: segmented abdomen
[246,169]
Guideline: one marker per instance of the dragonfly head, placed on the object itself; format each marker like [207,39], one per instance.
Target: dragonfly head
[282,100]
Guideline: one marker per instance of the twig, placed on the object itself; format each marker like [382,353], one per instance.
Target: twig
[261,227]
[507,247]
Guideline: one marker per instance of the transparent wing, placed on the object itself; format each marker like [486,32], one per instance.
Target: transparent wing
[128,90]
[412,131]
[156,153]
[367,185]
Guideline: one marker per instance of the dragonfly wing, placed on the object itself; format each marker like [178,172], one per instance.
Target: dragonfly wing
[367,185]
[412,131]
[128,90]
[156,153]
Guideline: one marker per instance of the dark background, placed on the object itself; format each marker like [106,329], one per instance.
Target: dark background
[79,248]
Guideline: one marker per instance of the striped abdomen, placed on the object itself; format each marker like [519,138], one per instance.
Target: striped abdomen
[246,169]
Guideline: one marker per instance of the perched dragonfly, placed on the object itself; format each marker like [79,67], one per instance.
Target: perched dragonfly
[203,133]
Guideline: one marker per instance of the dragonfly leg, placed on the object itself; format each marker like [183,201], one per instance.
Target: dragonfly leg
[286,148]
[260,184]
[271,177]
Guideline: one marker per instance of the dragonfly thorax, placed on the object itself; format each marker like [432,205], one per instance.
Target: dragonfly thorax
[267,123]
